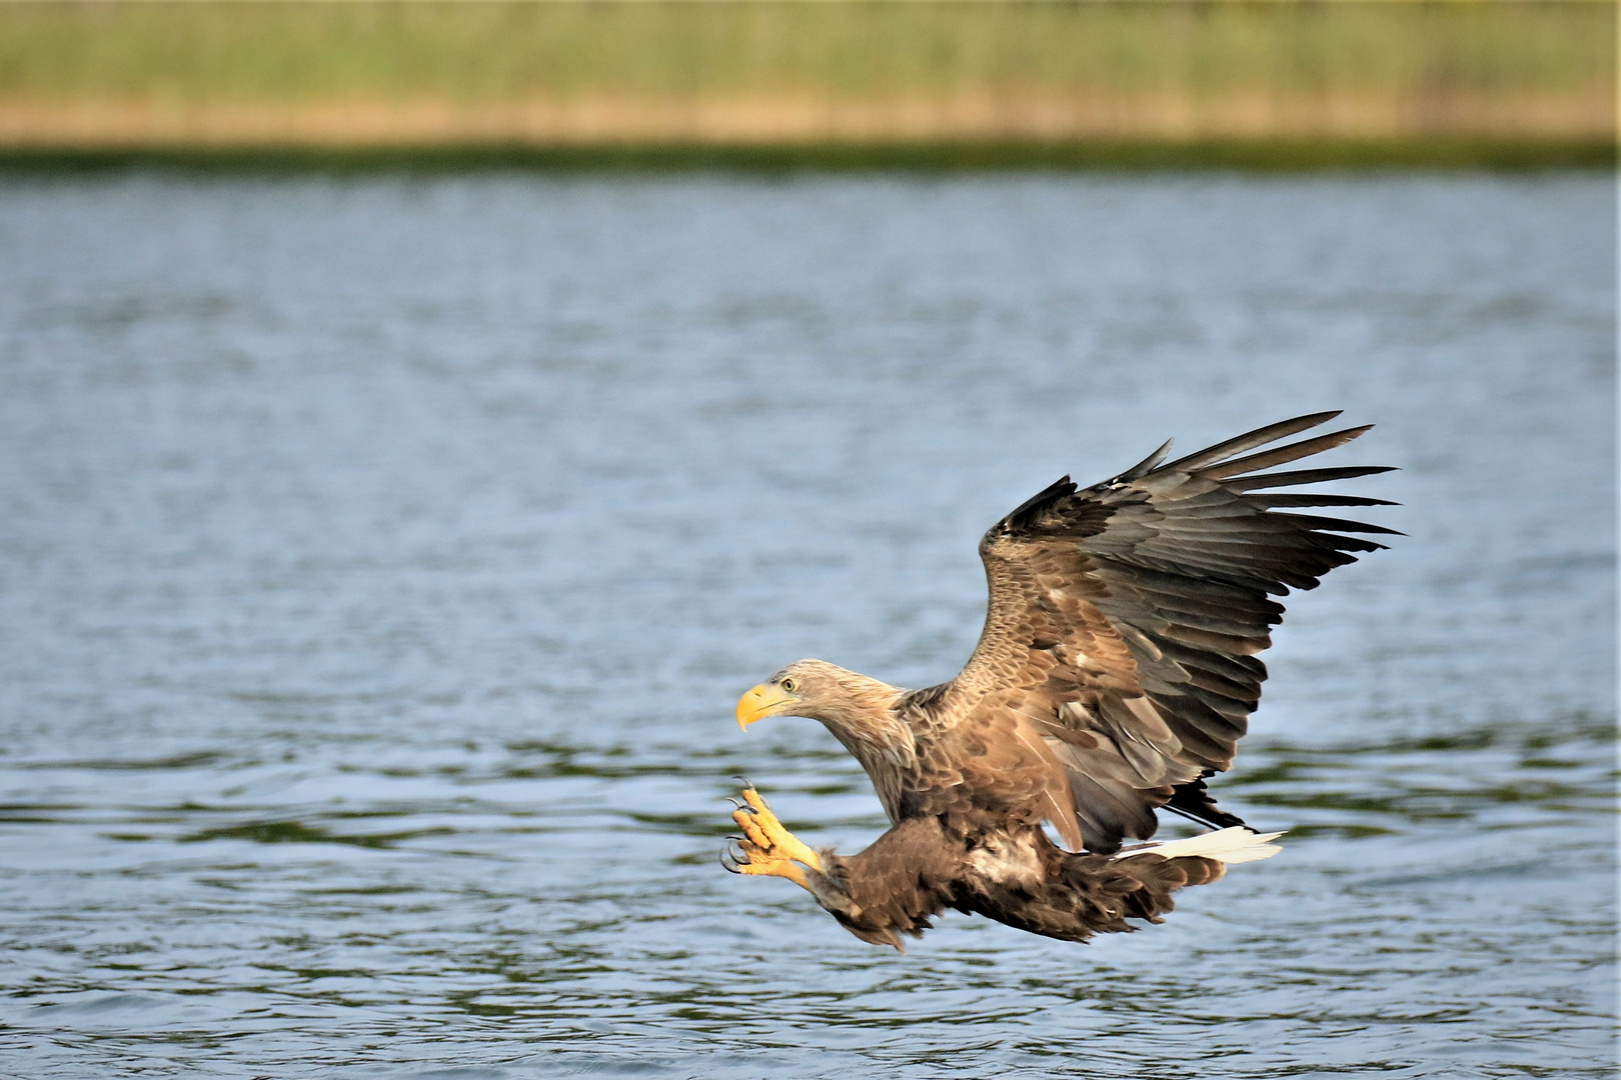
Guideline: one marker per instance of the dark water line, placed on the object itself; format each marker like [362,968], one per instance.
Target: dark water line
[1446,153]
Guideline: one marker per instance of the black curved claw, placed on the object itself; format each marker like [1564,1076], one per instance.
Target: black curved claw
[732,856]
[745,781]
[739,803]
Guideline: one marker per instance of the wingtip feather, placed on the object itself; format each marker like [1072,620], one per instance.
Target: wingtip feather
[1210,455]
[1147,464]
[1283,454]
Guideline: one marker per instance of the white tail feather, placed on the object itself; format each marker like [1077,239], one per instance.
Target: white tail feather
[1234,844]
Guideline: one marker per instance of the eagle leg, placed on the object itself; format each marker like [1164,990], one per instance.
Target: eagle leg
[768,848]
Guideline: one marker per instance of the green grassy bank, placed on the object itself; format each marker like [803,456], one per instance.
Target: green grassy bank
[777,82]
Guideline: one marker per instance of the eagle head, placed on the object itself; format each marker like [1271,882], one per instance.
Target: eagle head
[821,691]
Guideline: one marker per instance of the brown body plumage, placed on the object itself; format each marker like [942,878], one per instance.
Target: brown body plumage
[1116,672]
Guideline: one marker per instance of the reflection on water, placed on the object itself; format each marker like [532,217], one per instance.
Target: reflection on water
[381,558]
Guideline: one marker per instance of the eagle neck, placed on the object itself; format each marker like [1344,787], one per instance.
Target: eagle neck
[876,736]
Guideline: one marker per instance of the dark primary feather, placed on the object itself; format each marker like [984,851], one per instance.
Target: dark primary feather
[1124,618]
[1250,440]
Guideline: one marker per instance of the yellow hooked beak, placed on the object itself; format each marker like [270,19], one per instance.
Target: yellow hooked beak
[759,703]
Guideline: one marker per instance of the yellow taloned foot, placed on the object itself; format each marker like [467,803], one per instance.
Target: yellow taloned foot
[762,829]
[766,847]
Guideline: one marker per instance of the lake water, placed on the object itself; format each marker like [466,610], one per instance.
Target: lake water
[380,559]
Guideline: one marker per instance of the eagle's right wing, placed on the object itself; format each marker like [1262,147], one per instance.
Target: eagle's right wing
[1124,620]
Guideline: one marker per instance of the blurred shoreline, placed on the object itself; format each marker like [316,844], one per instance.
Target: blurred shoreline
[1497,83]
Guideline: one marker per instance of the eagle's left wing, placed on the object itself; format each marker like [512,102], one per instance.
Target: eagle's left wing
[1124,620]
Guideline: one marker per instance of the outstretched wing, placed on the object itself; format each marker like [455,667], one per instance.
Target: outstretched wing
[1124,619]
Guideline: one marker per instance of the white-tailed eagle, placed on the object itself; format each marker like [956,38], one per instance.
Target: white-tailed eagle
[1116,672]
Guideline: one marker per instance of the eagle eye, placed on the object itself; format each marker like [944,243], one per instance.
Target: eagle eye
[789,685]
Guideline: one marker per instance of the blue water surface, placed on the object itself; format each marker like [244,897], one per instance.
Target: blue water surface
[380,558]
